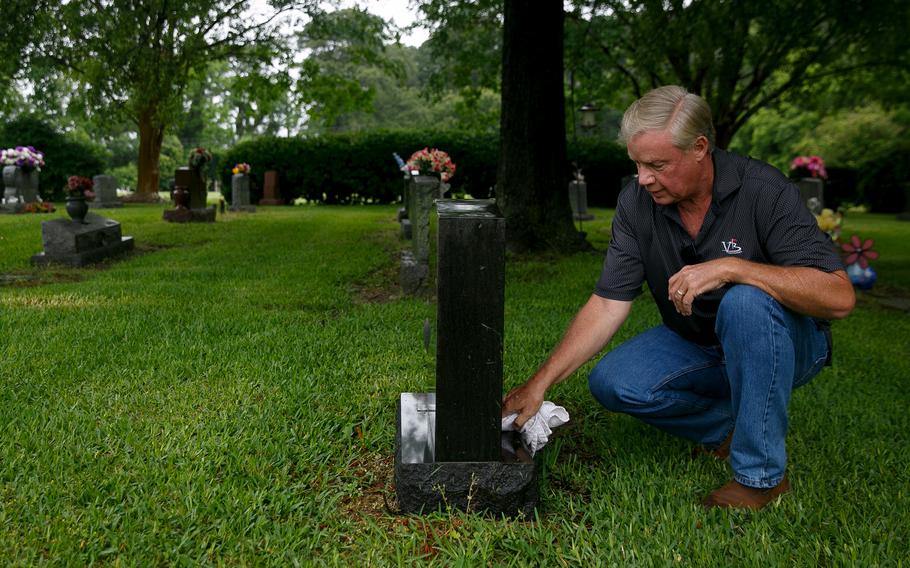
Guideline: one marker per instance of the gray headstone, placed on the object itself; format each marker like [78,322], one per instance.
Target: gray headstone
[20,186]
[78,244]
[812,193]
[105,192]
[240,193]
[578,199]
[423,193]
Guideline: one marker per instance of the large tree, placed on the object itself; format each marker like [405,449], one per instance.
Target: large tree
[533,173]
[137,57]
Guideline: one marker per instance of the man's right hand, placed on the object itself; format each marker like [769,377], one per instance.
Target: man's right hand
[525,400]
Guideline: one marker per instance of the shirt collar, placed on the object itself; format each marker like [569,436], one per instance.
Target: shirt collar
[727,176]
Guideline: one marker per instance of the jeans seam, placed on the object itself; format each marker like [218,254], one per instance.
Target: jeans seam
[771,386]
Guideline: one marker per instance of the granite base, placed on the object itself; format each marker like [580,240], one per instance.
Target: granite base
[507,487]
[184,215]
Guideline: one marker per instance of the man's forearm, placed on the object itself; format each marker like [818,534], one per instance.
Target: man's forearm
[593,326]
[805,290]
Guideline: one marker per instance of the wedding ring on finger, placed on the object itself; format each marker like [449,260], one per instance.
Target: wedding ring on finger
[680,293]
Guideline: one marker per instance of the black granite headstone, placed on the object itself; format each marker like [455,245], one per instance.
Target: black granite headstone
[470,290]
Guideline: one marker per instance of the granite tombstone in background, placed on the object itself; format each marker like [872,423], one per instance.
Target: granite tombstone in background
[105,188]
[77,244]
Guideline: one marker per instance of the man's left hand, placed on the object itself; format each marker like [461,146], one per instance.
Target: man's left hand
[696,279]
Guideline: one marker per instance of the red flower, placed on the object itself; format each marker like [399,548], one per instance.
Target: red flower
[859,251]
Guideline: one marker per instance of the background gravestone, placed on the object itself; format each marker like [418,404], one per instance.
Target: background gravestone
[271,193]
[78,244]
[450,450]
[812,193]
[415,263]
[105,189]
[240,194]
[578,199]
[197,212]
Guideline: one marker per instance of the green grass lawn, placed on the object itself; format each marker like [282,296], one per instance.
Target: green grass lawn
[227,395]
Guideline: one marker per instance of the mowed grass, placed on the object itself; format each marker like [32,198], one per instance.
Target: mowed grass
[226,396]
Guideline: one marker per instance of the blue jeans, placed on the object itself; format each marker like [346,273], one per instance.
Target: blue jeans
[702,393]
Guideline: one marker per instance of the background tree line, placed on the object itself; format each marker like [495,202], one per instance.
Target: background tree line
[145,81]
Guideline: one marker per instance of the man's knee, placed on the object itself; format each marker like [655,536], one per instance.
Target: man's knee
[743,306]
[605,384]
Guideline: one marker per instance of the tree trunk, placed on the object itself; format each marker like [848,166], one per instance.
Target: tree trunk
[532,184]
[151,135]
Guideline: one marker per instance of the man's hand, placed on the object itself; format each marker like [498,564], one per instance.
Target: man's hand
[805,290]
[696,279]
[525,400]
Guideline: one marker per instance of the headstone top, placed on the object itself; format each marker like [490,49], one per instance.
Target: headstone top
[478,208]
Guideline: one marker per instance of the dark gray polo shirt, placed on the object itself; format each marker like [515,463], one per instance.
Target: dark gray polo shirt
[756,214]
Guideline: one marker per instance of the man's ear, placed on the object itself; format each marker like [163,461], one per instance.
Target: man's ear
[700,147]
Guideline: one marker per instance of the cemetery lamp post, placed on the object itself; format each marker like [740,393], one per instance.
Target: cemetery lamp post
[588,114]
[588,120]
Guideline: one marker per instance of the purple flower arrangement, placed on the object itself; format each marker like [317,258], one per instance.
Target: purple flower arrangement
[25,157]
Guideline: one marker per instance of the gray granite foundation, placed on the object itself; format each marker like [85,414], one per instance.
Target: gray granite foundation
[79,244]
[506,487]
[184,215]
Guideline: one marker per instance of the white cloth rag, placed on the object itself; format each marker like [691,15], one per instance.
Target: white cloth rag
[537,430]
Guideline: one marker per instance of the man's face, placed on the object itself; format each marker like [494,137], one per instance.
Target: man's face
[668,173]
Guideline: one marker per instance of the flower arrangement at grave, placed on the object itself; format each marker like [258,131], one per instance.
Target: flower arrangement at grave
[241,168]
[808,166]
[858,254]
[78,186]
[25,157]
[830,222]
[431,161]
[38,207]
[199,158]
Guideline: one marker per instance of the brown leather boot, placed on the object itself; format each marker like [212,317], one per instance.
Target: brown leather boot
[721,452]
[735,494]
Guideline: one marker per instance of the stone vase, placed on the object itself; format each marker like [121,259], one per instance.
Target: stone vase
[21,185]
[181,196]
[77,209]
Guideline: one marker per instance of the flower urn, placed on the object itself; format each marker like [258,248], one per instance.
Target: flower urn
[77,208]
[181,197]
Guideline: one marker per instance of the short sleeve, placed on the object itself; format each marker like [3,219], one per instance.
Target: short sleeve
[793,237]
[623,270]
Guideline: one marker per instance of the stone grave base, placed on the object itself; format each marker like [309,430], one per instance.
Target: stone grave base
[407,232]
[271,201]
[74,244]
[412,275]
[402,214]
[105,204]
[242,208]
[11,207]
[183,215]
[507,487]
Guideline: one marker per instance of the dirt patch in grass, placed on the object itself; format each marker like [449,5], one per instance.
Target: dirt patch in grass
[375,475]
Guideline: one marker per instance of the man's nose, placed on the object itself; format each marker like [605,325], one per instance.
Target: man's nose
[645,176]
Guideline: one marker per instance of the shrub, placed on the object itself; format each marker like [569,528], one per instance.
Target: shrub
[63,156]
[881,182]
[359,168]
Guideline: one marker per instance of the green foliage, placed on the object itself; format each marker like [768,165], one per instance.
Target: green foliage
[63,155]
[227,397]
[885,183]
[345,168]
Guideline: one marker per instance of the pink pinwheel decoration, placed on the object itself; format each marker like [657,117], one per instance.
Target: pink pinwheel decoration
[859,251]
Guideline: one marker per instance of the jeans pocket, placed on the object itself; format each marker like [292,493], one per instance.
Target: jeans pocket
[811,371]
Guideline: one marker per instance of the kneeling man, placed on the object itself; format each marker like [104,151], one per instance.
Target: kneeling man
[745,283]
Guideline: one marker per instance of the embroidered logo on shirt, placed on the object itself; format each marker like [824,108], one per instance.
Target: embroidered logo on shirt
[730,247]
